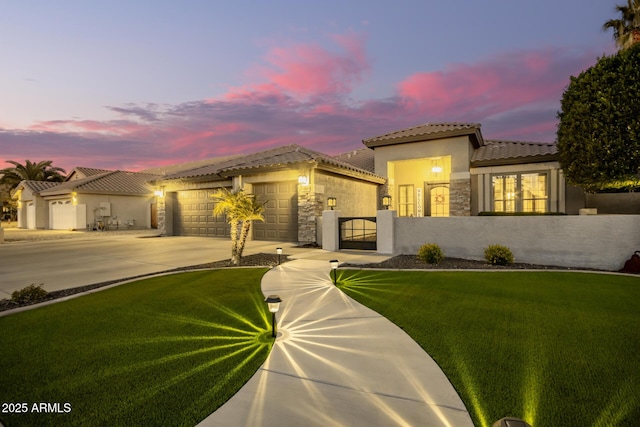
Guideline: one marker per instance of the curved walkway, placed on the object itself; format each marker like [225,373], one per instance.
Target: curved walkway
[336,362]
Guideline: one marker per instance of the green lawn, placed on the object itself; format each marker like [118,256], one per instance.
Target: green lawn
[163,351]
[554,349]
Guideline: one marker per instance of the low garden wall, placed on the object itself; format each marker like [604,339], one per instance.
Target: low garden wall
[587,241]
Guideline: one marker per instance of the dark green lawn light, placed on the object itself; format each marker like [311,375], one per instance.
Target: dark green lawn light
[273,302]
[279,252]
[334,266]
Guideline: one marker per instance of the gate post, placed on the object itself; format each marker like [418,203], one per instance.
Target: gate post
[385,231]
[330,231]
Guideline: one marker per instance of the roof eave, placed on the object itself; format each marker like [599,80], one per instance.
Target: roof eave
[473,133]
[352,173]
[515,160]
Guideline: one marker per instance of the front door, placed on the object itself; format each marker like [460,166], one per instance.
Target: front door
[437,200]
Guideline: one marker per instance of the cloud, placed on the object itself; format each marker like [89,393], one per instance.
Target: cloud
[308,71]
[302,94]
[498,84]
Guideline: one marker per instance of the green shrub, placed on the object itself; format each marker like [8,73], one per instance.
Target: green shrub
[31,293]
[430,253]
[498,255]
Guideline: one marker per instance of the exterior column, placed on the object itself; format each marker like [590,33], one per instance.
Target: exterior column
[460,196]
[385,231]
[330,231]
[309,208]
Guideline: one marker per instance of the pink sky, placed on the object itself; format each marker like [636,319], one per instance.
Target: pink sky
[324,94]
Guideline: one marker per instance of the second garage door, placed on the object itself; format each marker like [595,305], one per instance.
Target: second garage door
[194,215]
[280,214]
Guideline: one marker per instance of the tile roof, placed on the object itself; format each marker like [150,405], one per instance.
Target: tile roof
[426,132]
[110,182]
[187,166]
[497,152]
[88,171]
[363,159]
[36,186]
[274,158]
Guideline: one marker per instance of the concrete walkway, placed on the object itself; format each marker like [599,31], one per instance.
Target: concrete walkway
[336,362]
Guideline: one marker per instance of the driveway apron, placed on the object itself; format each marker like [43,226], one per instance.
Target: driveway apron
[336,362]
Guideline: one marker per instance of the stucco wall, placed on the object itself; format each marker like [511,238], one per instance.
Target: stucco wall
[591,241]
[354,197]
[123,207]
[41,210]
[458,148]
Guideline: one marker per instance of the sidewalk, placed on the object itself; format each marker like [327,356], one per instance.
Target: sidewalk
[336,362]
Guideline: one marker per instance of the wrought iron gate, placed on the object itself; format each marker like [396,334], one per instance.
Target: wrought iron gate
[358,233]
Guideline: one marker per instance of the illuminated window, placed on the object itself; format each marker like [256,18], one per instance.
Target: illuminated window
[405,200]
[526,192]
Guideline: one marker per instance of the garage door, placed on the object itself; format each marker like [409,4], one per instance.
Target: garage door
[62,215]
[193,215]
[281,212]
[31,215]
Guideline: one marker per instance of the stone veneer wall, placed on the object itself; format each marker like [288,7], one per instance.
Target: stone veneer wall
[162,216]
[460,197]
[309,208]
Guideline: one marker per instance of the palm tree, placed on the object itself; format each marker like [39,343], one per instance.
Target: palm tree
[626,30]
[40,171]
[240,209]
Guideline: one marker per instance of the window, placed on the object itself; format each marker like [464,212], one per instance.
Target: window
[405,200]
[526,192]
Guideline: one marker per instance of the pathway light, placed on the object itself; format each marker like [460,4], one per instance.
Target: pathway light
[334,266]
[273,302]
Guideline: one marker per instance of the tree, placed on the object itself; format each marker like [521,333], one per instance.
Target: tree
[626,30]
[240,209]
[599,129]
[11,177]
[40,171]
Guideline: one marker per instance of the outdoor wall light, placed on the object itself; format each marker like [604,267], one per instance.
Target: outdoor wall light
[510,422]
[436,169]
[386,201]
[273,302]
[334,266]
[303,180]
[331,202]
[279,252]
[159,192]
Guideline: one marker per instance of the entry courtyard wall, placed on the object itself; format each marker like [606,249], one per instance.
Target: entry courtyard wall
[580,241]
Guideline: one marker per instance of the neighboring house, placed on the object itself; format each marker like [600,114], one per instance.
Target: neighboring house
[32,208]
[292,182]
[88,198]
[448,169]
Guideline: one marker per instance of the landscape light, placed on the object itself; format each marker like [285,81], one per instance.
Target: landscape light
[273,302]
[334,266]
[279,252]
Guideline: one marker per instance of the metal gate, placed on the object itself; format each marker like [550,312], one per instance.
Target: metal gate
[358,233]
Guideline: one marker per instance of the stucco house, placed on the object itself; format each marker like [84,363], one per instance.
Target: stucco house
[88,198]
[292,182]
[449,169]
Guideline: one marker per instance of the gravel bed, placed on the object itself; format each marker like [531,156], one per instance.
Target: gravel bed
[411,262]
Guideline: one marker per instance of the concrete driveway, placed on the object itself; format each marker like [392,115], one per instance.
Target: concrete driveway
[98,257]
